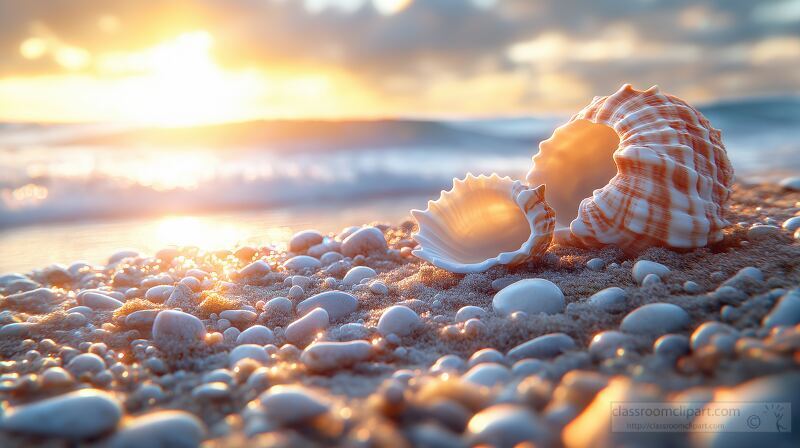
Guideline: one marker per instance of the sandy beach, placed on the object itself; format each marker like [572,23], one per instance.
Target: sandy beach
[392,351]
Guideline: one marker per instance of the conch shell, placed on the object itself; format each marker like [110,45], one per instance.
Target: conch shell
[636,169]
[482,222]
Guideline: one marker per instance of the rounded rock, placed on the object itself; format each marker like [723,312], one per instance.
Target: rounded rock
[338,304]
[468,312]
[487,374]
[257,334]
[173,429]
[304,329]
[301,241]
[249,351]
[644,267]
[655,319]
[364,241]
[302,263]
[545,346]
[398,319]
[74,416]
[176,330]
[610,298]
[531,296]
[507,425]
[356,274]
[330,356]
[289,405]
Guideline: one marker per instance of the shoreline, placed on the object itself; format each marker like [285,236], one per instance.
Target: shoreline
[451,371]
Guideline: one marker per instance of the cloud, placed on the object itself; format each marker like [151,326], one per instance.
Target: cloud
[545,53]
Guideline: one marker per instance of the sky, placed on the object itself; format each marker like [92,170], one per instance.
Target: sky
[203,61]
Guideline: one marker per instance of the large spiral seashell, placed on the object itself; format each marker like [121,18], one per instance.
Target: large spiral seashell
[484,221]
[636,169]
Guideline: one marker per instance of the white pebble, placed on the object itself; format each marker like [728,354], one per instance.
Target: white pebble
[691,287]
[486,355]
[595,264]
[651,280]
[703,334]
[791,183]
[447,363]
[249,351]
[301,241]
[239,318]
[289,405]
[545,346]
[302,263]
[257,334]
[763,232]
[785,312]
[255,269]
[358,273]
[174,429]
[532,296]
[176,330]
[304,329]
[295,292]
[278,305]
[330,257]
[610,298]
[364,241]
[75,416]
[655,319]
[506,425]
[338,304]
[379,288]
[487,374]
[211,391]
[606,344]
[644,267]
[328,356]
[468,312]
[86,363]
[97,301]
[792,224]
[398,319]
[159,294]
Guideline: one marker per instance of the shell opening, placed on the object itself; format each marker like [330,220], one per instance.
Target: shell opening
[574,162]
[496,224]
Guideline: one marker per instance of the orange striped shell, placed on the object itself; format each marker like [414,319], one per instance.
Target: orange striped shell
[669,181]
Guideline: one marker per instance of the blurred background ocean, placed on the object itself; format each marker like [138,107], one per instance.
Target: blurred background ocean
[74,192]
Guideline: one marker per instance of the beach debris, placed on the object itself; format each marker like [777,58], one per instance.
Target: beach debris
[655,319]
[484,221]
[533,296]
[652,172]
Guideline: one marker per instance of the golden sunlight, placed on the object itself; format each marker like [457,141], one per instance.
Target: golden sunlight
[175,83]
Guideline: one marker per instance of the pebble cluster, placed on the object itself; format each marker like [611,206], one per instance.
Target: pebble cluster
[346,339]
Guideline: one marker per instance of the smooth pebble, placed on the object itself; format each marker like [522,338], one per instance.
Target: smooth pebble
[533,296]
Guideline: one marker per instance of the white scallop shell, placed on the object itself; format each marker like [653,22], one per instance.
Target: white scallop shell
[482,222]
[636,169]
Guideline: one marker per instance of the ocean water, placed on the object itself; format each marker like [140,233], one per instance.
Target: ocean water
[80,192]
